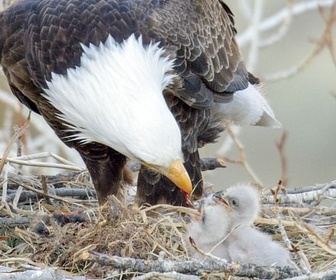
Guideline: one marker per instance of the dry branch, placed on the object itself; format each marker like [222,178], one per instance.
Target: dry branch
[326,275]
[13,140]
[326,41]
[283,158]
[206,164]
[37,273]
[279,17]
[242,156]
[304,195]
[194,267]
[15,222]
[84,194]
[59,180]
[166,276]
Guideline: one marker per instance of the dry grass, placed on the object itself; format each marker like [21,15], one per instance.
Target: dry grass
[64,232]
[57,233]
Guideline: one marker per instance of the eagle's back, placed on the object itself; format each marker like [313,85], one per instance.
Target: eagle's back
[45,36]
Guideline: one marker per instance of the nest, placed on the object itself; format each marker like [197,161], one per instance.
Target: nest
[55,222]
[71,240]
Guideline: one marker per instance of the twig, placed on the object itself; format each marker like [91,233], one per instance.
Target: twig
[206,164]
[43,164]
[224,239]
[4,184]
[254,48]
[227,142]
[242,157]
[282,30]
[283,159]
[317,187]
[15,222]
[326,40]
[269,221]
[207,254]
[212,163]
[277,18]
[43,155]
[329,274]
[318,210]
[168,275]
[19,145]
[18,260]
[14,138]
[61,192]
[17,197]
[306,267]
[303,196]
[59,180]
[179,209]
[71,201]
[6,209]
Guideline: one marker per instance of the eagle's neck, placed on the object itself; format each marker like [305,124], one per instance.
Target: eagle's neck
[115,98]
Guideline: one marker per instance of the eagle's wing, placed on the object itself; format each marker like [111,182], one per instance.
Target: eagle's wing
[201,38]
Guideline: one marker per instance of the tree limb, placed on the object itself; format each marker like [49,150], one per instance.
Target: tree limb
[194,267]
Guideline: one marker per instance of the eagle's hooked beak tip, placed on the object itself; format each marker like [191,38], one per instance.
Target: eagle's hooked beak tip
[179,176]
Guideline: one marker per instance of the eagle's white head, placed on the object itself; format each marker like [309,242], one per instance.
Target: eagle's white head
[115,97]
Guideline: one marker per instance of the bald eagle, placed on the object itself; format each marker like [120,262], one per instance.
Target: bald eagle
[127,79]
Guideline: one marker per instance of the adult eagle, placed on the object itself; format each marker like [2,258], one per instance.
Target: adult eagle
[119,79]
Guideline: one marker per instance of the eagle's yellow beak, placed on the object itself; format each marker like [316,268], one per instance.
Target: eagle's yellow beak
[179,176]
[176,173]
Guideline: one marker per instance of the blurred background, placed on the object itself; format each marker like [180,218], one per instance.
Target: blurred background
[285,43]
[288,52]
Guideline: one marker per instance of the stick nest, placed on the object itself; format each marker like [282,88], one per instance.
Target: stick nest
[42,228]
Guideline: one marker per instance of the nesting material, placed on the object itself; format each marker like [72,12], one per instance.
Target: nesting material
[72,234]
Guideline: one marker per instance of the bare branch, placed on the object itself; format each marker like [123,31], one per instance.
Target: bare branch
[329,274]
[310,194]
[283,159]
[183,266]
[16,135]
[242,156]
[325,41]
[37,273]
[279,17]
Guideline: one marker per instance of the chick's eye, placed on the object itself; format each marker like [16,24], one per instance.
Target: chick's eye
[234,202]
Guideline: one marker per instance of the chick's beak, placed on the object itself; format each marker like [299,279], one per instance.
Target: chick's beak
[220,197]
[177,173]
